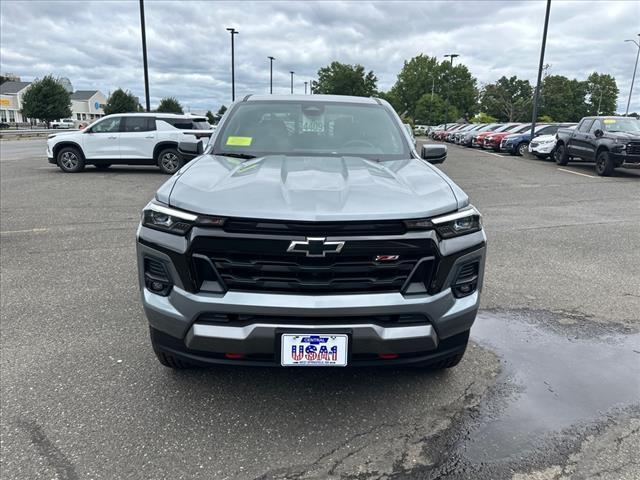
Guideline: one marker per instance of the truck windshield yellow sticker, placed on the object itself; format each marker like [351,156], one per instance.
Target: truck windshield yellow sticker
[239,141]
[609,121]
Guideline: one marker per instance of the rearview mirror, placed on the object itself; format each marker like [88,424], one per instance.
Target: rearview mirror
[192,149]
[598,133]
[434,153]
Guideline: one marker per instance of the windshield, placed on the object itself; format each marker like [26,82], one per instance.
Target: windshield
[621,125]
[260,128]
[199,124]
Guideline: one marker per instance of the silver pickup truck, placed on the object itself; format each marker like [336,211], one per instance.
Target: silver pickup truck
[310,232]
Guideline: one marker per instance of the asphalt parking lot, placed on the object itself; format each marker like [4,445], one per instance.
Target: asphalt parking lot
[550,388]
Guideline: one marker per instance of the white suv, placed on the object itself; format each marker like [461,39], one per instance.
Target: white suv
[64,123]
[127,139]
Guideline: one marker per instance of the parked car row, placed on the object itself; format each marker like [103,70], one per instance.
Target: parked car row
[513,138]
[611,142]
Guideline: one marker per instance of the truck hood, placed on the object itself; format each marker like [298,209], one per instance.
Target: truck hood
[622,136]
[312,188]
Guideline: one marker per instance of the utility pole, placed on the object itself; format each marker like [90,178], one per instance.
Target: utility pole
[271,59]
[310,87]
[534,115]
[144,56]
[233,32]
[305,87]
[446,108]
[292,72]
[633,79]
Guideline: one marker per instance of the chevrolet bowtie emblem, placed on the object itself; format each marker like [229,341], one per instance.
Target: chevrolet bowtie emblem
[315,247]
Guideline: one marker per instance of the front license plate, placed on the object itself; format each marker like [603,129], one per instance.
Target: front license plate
[314,350]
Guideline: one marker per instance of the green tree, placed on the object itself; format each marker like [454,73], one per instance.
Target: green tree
[170,105]
[210,118]
[422,75]
[221,111]
[602,93]
[121,101]
[563,99]
[508,99]
[343,79]
[483,118]
[46,100]
[430,111]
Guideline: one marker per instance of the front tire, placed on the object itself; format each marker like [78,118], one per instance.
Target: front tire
[170,161]
[561,157]
[70,160]
[522,149]
[604,164]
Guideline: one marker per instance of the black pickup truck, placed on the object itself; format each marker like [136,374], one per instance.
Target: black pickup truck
[611,142]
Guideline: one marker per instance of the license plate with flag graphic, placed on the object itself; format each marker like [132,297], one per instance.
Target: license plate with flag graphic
[314,350]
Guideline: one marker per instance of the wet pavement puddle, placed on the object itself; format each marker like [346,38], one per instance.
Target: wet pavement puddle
[558,376]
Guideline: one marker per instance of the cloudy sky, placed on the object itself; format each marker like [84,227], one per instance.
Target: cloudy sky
[96,44]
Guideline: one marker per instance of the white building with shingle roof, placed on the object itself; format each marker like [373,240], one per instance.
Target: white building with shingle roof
[86,105]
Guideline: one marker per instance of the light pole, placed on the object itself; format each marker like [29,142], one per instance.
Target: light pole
[305,87]
[144,55]
[446,108]
[633,79]
[534,114]
[292,72]
[233,32]
[310,87]
[271,59]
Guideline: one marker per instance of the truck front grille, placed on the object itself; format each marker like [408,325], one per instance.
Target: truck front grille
[259,265]
[633,148]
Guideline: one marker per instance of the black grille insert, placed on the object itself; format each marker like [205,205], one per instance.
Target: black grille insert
[633,148]
[314,229]
[265,265]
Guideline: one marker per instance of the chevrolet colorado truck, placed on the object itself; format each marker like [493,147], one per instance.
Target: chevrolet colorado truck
[610,142]
[310,232]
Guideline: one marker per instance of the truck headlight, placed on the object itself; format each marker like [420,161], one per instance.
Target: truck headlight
[172,220]
[462,222]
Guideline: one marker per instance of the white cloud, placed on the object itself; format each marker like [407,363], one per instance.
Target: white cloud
[97,44]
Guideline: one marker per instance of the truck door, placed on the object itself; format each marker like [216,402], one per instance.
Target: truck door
[577,142]
[592,141]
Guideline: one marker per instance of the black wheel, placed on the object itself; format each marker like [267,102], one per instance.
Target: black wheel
[604,164]
[522,149]
[103,166]
[170,161]
[561,157]
[70,160]
[167,359]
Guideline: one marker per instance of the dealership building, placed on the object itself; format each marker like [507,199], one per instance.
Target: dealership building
[86,105]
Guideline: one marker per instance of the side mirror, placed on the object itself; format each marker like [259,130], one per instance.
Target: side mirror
[598,133]
[190,149]
[434,153]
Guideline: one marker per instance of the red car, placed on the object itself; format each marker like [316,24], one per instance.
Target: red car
[441,134]
[493,140]
[478,140]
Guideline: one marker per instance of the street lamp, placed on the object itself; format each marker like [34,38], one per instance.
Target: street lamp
[633,79]
[534,114]
[446,108]
[233,32]
[310,87]
[305,87]
[292,72]
[271,59]
[144,55]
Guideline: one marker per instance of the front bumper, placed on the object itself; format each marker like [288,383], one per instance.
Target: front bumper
[182,324]
[542,148]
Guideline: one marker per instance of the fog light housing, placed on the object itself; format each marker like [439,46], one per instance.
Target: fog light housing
[156,277]
[466,281]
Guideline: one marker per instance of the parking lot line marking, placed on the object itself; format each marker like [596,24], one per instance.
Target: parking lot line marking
[576,173]
[491,153]
[29,230]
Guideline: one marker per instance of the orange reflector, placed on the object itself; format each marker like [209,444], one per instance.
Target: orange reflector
[388,356]
[234,356]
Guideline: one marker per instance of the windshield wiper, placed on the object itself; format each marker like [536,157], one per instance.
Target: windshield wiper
[246,156]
